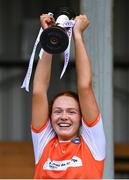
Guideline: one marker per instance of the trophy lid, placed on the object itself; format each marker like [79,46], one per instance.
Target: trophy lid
[64,11]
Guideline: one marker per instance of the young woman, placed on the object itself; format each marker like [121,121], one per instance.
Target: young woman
[68,137]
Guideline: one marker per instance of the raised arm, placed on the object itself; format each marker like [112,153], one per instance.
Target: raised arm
[87,98]
[41,83]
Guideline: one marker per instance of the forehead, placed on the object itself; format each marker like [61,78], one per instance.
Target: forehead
[66,102]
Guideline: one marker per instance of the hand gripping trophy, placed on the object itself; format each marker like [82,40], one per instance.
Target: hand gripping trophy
[54,40]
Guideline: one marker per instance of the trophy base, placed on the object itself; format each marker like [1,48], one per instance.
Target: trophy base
[54,40]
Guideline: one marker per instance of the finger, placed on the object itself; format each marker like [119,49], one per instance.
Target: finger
[45,20]
[46,16]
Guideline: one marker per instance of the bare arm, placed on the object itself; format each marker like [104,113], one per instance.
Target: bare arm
[41,84]
[87,98]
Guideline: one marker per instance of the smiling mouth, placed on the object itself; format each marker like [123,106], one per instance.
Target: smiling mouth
[64,125]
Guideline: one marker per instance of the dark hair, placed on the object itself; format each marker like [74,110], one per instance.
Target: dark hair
[64,93]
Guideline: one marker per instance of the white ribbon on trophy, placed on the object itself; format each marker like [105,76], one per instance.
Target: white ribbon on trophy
[64,22]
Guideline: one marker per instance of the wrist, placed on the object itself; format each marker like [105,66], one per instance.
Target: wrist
[77,36]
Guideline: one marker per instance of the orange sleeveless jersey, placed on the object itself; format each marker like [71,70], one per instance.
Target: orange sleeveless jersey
[82,158]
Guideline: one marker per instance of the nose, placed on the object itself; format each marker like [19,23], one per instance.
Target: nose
[64,116]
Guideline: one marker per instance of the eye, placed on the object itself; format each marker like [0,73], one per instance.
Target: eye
[72,112]
[57,111]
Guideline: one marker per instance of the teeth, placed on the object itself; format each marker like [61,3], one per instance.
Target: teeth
[64,125]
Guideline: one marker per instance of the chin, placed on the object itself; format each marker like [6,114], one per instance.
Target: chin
[65,134]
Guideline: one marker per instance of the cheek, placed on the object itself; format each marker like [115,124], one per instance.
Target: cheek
[52,122]
[53,119]
[78,121]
